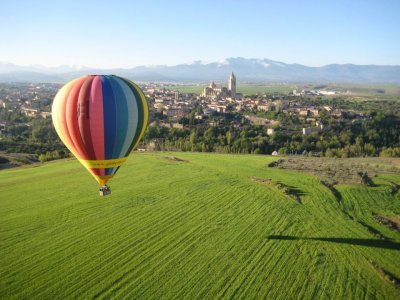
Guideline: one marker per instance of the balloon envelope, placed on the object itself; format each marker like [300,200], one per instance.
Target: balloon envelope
[100,119]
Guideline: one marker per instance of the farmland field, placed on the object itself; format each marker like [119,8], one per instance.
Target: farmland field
[195,226]
[367,91]
[246,89]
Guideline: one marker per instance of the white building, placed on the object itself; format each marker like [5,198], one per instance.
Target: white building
[232,85]
[270,131]
[213,91]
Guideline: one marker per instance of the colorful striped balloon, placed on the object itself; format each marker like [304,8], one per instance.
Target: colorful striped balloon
[100,119]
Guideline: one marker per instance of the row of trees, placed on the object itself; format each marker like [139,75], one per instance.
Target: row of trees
[30,136]
[377,135]
[56,154]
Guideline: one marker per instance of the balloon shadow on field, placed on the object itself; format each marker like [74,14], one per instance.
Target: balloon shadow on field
[384,244]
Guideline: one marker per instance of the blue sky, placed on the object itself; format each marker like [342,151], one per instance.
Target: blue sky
[130,33]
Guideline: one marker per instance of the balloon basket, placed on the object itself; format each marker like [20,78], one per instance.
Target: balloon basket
[104,190]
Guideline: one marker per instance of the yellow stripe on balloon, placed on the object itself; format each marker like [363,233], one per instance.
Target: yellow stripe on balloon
[102,164]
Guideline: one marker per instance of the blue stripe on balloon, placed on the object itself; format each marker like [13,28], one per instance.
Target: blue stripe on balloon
[121,116]
[141,113]
[110,171]
[109,113]
[132,110]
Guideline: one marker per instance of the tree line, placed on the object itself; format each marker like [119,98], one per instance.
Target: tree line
[376,135]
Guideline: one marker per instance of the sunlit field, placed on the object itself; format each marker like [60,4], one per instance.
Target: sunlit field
[195,226]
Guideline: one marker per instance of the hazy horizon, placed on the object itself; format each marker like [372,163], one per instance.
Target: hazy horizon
[200,61]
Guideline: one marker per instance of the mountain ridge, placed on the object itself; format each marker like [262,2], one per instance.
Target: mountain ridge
[246,69]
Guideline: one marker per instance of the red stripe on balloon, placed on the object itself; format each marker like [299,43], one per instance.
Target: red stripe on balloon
[72,119]
[97,119]
[83,116]
[83,120]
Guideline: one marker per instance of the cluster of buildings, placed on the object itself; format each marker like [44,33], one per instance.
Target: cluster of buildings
[214,91]
[174,105]
[32,100]
[313,93]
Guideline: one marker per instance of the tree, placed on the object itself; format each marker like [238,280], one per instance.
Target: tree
[192,138]
[329,153]
[152,132]
[228,137]
[369,150]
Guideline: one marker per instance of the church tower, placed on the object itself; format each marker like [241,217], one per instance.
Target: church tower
[232,85]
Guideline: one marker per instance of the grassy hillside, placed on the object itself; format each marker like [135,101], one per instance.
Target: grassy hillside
[204,227]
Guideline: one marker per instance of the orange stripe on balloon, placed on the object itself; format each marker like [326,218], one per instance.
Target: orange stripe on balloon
[59,116]
[72,119]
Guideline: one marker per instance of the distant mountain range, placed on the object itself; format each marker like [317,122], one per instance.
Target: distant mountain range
[246,70]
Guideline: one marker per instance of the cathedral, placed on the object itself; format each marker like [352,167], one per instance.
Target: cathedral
[213,91]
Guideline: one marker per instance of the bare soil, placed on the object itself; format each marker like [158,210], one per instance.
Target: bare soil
[340,170]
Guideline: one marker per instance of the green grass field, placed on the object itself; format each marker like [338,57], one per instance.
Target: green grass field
[195,229]
[245,89]
[372,92]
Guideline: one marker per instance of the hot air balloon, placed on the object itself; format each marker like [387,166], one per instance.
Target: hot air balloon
[100,119]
